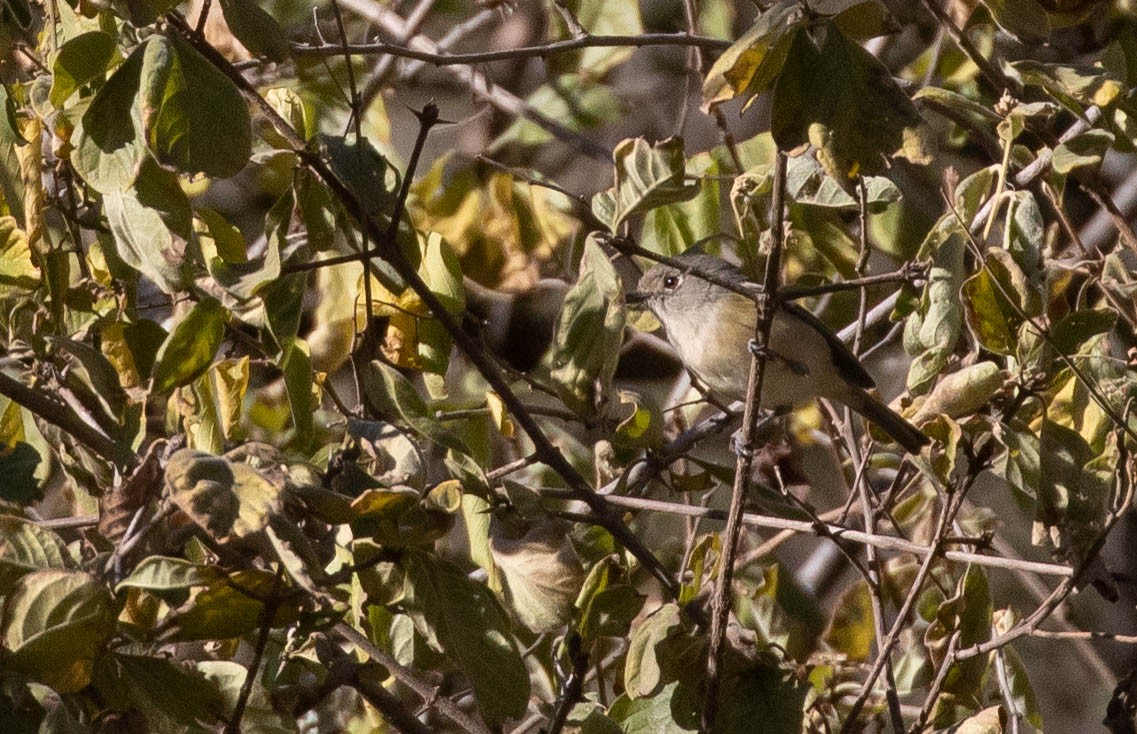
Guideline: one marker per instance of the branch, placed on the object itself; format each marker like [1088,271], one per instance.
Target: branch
[58,415]
[890,543]
[389,251]
[721,600]
[521,52]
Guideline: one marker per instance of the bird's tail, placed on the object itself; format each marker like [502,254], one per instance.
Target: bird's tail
[889,421]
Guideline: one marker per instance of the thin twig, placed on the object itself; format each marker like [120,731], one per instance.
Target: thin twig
[268,612]
[721,599]
[511,54]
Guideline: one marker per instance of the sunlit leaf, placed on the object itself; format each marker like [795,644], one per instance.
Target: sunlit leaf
[190,348]
[752,62]
[646,176]
[226,499]
[80,60]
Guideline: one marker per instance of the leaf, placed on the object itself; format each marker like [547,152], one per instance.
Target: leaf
[807,182]
[766,694]
[296,366]
[55,623]
[256,29]
[646,176]
[1082,151]
[992,317]
[654,715]
[226,499]
[851,629]
[642,674]
[1076,87]
[671,228]
[18,464]
[26,547]
[540,571]
[160,573]
[144,242]
[1026,20]
[755,59]
[931,333]
[607,608]
[221,611]
[589,334]
[18,274]
[393,396]
[191,347]
[598,18]
[961,393]
[463,618]
[107,145]
[79,61]
[837,94]
[193,118]
[1077,328]
[169,693]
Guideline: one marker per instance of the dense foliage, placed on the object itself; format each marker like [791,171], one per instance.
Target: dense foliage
[303,430]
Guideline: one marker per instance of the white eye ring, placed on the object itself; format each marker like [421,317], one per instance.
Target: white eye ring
[671,282]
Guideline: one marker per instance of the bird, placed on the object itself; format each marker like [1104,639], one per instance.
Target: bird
[712,330]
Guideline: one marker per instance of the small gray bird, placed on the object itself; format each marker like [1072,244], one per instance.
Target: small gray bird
[712,329]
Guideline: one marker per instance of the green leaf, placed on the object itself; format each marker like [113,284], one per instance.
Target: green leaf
[463,619]
[191,347]
[26,547]
[108,147]
[931,333]
[78,62]
[255,29]
[851,629]
[221,611]
[646,176]
[1026,20]
[193,117]
[55,623]
[18,274]
[18,468]
[540,571]
[226,499]
[1076,87]
[807,182]
[589,334]
[603,18]
[766,694]
[643,675]
[992,317]
[144,242]
[836,95]
[169,693]
[392,395]
[670,229]
[961,393]
[1082,151]
[655,715]
[1077,328]
[753,61]
[159,573]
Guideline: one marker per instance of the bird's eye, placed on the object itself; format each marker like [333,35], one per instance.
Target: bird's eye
[670,282]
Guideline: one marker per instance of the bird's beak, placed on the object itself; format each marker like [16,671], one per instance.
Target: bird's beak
[635,298]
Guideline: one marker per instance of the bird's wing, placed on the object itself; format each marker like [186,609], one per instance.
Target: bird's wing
[850,367]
